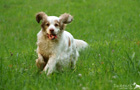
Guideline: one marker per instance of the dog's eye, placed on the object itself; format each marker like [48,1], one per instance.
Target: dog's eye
[56,24]
[47,24]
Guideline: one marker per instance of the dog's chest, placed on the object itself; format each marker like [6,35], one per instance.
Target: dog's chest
[45,47]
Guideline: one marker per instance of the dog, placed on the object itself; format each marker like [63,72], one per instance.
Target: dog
[56,48]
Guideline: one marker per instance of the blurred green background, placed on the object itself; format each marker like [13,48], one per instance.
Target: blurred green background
[110,27]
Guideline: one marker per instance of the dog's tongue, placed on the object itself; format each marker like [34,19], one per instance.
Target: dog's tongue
[52,37]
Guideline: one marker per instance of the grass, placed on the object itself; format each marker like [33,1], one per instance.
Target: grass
[111,27]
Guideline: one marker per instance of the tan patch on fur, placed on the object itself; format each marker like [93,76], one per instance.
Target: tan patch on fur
[64,18]
[40,65]
[57,22]
[44,25]
[40,16]
[61,26]
[69,42]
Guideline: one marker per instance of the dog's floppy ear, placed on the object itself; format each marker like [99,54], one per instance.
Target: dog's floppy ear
[40,16]
[66,18]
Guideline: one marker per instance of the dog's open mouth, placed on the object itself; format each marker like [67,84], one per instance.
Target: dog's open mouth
[52,36]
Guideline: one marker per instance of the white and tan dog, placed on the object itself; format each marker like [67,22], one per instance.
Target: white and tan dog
[56,48]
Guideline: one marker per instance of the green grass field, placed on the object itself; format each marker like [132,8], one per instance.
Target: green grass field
[111,28]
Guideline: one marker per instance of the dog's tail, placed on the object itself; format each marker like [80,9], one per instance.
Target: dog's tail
[80,44]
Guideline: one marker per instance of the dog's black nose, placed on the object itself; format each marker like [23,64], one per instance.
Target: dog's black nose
[51,30]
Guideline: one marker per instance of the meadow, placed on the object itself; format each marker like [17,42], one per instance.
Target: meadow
[110,27]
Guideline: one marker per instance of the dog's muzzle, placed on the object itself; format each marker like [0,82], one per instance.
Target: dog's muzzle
[52,36]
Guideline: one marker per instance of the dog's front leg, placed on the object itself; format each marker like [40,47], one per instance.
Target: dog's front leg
[40,62]
[50,66]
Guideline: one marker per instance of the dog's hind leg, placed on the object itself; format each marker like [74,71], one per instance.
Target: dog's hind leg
[74,59]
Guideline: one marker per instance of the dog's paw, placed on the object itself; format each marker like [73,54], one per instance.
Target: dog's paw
[48,70]
[40,64]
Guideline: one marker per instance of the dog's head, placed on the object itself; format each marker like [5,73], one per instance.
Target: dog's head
[52,25]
